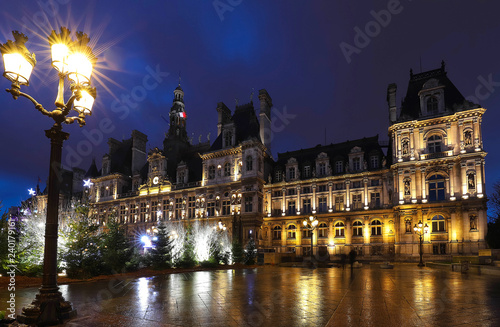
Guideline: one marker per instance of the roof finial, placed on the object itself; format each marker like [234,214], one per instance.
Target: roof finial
[179,78]
[251,94]
[236,101]
[442,65]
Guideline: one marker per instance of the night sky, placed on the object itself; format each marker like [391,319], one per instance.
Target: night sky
[223,49]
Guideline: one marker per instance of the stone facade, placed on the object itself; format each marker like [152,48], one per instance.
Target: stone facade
[367,195]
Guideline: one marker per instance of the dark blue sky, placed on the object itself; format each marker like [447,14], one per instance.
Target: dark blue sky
[225,48]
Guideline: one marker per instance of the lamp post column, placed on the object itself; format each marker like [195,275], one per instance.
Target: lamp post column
[421,263]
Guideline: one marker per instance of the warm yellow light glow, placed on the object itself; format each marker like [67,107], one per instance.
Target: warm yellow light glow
[17,68]
[79,68]
[59,57]
[305,223]
[85,103]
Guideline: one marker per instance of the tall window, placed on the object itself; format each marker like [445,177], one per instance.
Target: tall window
[432,106]
[375,200]
[278,176]
[228,138]
[322,204]
[356,202]
[291,231]
[277,233]
[376,227]
[178,208]
[323,230]
[306,206]
[143,211]
[210,209]
[291,208]
[434,144]
[339,167]
[291,173]
[249,163]
[374,162]
[356,164]
[307,171]
[191,206]
[339,202]
[227,169]
[211,172]
[248,203]
[339,229]
[306,233]
[322,169]
[357,228]
[436,188]
[438,224]
[226,207]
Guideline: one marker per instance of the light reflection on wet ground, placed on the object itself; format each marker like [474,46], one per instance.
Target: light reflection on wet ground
[273,296]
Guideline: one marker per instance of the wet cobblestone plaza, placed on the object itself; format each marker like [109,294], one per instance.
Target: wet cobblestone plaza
[273,296]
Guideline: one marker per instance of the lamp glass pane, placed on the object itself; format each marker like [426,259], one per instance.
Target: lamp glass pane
[16,66]
[59,57]
[85,103]
[79,68]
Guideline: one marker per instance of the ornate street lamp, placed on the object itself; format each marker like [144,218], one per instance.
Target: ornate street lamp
[311,224]
[72,59]
[420,231]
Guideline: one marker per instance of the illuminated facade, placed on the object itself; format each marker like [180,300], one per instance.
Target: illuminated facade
[366,194]
[184,182]
[368,202]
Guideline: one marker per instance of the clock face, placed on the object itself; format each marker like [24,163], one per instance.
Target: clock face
[156,180]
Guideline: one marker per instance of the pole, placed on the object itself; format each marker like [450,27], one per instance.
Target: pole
[49,306]
[421,263]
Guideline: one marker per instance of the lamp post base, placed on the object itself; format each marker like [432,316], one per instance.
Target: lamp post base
[48,308]
[421,264]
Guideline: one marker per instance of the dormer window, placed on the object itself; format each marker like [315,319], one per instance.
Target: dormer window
[291,173]
[228,138]
[339,167]
[322,169]
[307,171]
[356,164]
[434,144]
[432,105]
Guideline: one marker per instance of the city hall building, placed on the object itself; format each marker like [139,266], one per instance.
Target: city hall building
[367,195]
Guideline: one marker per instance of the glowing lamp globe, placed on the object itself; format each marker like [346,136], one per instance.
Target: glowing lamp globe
[86,101]
[79,68]
[17,68]
[60,54]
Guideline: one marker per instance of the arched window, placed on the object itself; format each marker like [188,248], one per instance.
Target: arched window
[227,169]
[249,163]
[291,231]
[339,229]
[434,144]
[438,224]
[323,230]
[277,233]
[432,106]
[376,227]
[471,181]
[436,188]
[357,228]
[211,172]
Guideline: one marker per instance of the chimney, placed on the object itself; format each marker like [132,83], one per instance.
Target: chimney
[223,117]
[139,155]
[266,103]
[391,101]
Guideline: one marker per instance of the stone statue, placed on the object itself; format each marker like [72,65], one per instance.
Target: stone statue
[473,222]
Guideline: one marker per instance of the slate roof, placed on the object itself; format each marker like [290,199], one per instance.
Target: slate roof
[93,172]
[246,125]
[336,152]
[454,100]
